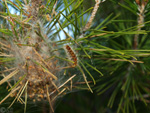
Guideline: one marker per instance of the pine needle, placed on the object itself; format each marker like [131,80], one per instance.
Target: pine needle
[9,76]
[65,83]
[9,94]
[49,100]
[85,78]
[59,94]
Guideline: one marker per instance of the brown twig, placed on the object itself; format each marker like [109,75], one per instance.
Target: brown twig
[140,21]
[88,25]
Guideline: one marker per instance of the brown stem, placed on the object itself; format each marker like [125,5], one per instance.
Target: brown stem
[135,45]
[140,20]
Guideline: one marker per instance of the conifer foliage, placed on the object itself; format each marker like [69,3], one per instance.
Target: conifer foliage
[49,48]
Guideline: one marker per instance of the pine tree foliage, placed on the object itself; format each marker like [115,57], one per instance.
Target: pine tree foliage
[66,46]
[37,62]
[127,82]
